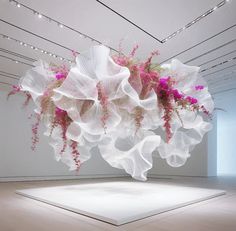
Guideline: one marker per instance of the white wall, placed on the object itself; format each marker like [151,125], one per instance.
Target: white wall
[16,157]
[226,133]
[212,147]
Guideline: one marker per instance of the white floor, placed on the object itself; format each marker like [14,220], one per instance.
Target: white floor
[119,202]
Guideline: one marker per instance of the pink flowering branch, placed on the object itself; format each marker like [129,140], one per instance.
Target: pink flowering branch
[133,52]
[15,89]
[75,154]
[35,135]
[102,97]
[165,95]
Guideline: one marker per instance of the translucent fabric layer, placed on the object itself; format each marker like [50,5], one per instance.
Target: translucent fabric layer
[104,110]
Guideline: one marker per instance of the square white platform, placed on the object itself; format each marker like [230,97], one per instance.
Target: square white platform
[120,202]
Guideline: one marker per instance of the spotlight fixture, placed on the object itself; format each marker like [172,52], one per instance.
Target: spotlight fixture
[39,15]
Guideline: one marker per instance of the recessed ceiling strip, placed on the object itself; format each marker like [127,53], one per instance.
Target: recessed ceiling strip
[219,64]
[211,60]
[205,14]
[36,35]
[17,55]
[10,74]
[5,83]
[35,48]
[219,70]
[231,89]
[212,50]
[126,19]
[7,76]
[205,40]
[56,22]
[223,78]
[16,61]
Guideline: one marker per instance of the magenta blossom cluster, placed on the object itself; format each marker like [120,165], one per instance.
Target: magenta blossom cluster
[169,98]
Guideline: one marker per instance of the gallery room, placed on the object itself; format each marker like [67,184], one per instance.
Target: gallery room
[118,115]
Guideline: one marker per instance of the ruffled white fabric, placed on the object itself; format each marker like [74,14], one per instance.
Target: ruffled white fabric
[79,88]
[122,145]
[190,130]
[133,153]
[36,81]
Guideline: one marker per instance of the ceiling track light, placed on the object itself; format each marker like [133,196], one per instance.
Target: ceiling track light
[1,82]
[223,78]
[59,24]
[215,8]
[219,64]
[36,48]
[16,61]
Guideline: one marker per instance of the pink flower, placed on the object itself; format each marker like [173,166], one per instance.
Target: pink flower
[102,97]
[191,100]
[60,76]
[132,54]
[154,75]
[176,94]
[15,89]
[199,87]
[121,60]
[60,113]
[163,82]
[145,77]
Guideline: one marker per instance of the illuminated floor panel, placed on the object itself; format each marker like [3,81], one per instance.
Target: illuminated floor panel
[120,202]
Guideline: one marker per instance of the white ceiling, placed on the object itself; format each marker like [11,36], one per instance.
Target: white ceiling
[209,43]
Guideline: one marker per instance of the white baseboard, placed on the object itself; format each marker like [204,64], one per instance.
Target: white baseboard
[175,176]
[74,177]
[63,177]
